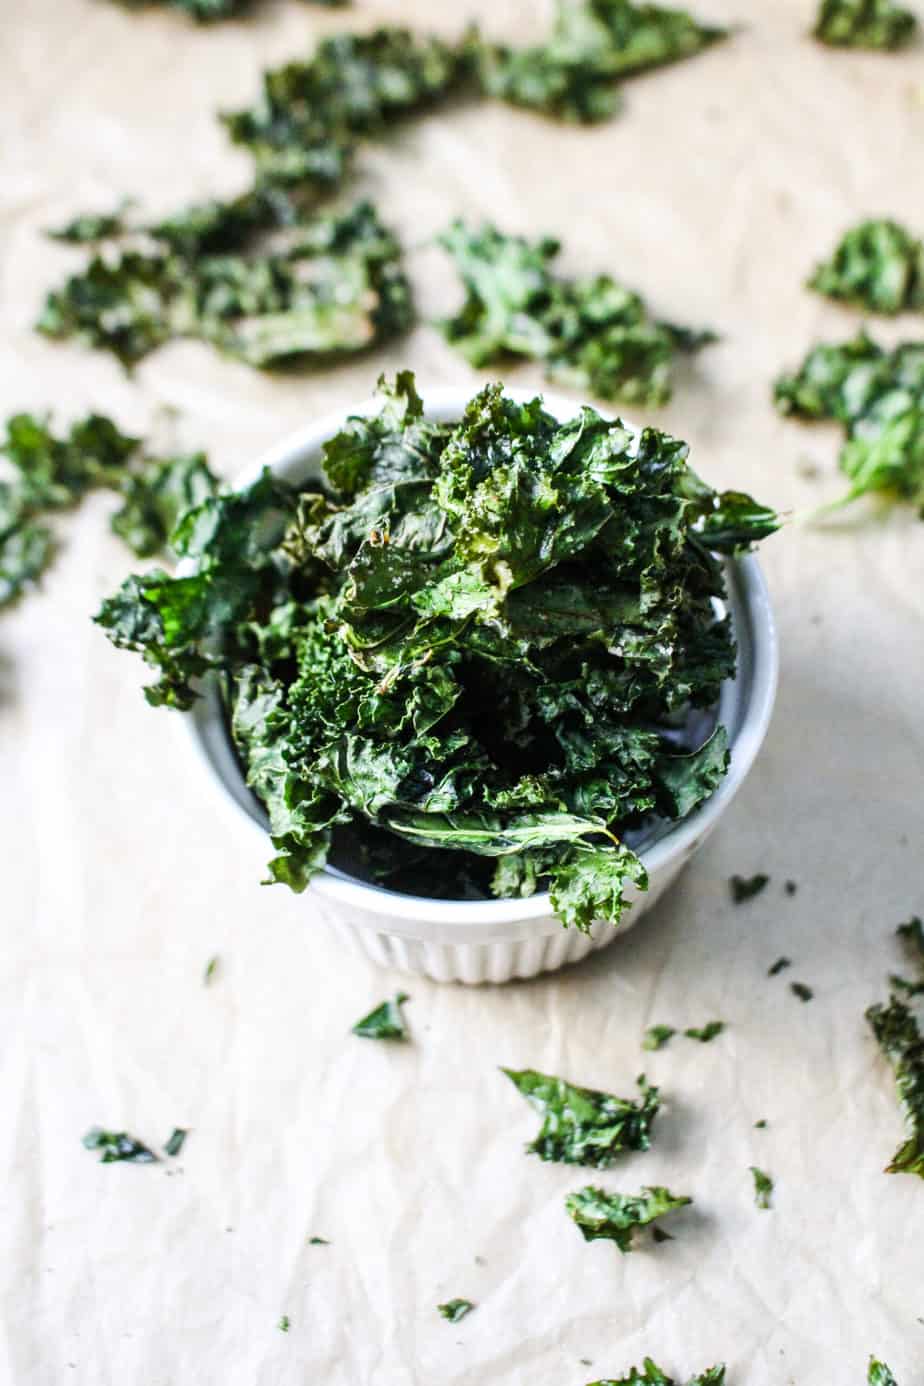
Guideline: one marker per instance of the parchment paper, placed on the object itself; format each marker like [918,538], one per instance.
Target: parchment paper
[716,190]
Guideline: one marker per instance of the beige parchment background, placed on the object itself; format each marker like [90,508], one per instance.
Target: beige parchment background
[714,193]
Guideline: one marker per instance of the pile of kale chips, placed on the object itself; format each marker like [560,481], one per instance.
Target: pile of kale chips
[470,660]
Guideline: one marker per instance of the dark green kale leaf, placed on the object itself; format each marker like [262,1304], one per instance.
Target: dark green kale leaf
[763,1187]
[879,1374]
[353,85]
[710,1031]
[878,397]
[877,265]
[318,1241]
[657,1036]
[477,657]
[652,1375]
[285,1324]
[91,227]
[592,333]
[117,1146]
[593,46]
[616,1216]
[746,887]
[177,1140]
[581,1126]
[386,1022]
[912,935]
[57,471]
[900,1040]
[26,551]
[218,272]
[156,494]
[455,1309]
[803,992]
[778,966]
[864,24]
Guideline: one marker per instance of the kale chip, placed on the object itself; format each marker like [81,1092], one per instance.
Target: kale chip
[864,24]
[455,1309]
[657,1036]
[594,45]
[710,1031]
[763,1187]
[879,1374]
[217,271]
[581,1126]
[497,638]
[385,1021]
[877,265]
[878,398]
[118,1146]
[592,333]
[652,1375]
[899,1037]
[615,1217]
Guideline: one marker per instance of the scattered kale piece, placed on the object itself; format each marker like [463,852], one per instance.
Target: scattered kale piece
[455,1309]
[791,887]
[878,397]
[616,1216]
[710,1031]
[899,1037]
[652,1375]
[803,992]
[488,637]
[581,1126]
[26,551]
[55,472]
[761,1125]
[353,85]
[592,333]
[594,45]
[91,227]
[746,887]
[318,1241]
[385,1022]
[206,11]
[657,1036]
[912,934]
[284,1324]
[211,970]
[763,1187]
[254,276]
[864,24]
[176,1142]
[778,966]
[878,265]
[118,1146]
[879,1374]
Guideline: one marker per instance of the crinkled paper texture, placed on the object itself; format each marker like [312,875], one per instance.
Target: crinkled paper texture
[715,192]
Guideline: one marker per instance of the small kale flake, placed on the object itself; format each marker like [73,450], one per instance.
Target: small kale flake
[594,45]
[763,1187]
[592,333]
[761,1125]
[790,887]
[615,1217]
[211,971]
[779,966]
[879,1374]
[803,992]
[899,1037]
[746,887]
[912,935]
[652,1375]
[284,1324]
[878,266]
[176,1142]
[864,24]
[318,1241]
[708,1032]
[455,1309]
[385,1022]
[657,1036]
[118,1146]
[581,1126]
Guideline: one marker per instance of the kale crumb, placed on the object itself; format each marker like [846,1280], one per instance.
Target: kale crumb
[760,1125]
[284,1324]
[211,968]
[790,887]
[803,992]
[318,1241]
[118,1146]
[455,1309]
[177,1140]
[763,1187]
[879,1374]
[657,1036]
[746,887]
[708,1032]
[778,966]
[385,1022]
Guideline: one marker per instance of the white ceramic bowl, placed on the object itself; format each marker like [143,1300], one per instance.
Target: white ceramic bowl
[498,940]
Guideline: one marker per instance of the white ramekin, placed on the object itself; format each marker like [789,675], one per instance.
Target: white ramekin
[499,940]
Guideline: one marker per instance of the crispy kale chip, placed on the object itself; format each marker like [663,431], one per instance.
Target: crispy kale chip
[652,1375]
[497,638]
[353,85]
[899,1037]
[385,1022]
[455,1309]
[616,1216]
[581,1126]
[657,1036]
[879,1374]
[763,1187]
[118,1146]
[878,398]
[864,24]
[594,45]
[592,333]
[253,276]
[878,265]
[710,1031]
